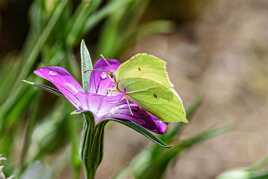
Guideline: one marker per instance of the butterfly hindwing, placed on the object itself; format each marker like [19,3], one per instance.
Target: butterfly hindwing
[155,98]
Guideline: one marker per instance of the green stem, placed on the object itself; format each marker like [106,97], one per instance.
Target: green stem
[92,145]
[28,133]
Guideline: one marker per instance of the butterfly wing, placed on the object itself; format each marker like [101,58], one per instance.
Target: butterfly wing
[158,99]
[144,66]
[144,77]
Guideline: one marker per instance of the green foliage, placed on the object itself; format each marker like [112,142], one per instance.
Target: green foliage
[256,171]
[122,28]
[153,161]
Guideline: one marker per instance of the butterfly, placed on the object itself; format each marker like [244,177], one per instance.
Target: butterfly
[144,79]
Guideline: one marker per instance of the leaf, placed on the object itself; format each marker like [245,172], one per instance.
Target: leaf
[119,26]
[37,171]
[86,65]
[143,132]
[263,175]
[78,21]
[102,13]
[145,158]
[198,138]
[30,59]
[44,87]
[159,161]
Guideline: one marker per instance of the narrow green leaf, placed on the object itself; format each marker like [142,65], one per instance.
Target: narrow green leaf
[159,161]
[102,13]
[145,159]
[198,138]
[17,89]
[29,130]
[42,40]
[78,21]
[263,175]
[86,65]
[144,132]
[43,87]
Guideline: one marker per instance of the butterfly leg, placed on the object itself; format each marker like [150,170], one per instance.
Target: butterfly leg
[130,110]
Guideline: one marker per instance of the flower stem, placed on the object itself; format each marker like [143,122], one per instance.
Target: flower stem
[92,145]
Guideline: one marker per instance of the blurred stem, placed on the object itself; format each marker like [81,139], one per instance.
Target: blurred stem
[76,163]
[92,145]
[28,132]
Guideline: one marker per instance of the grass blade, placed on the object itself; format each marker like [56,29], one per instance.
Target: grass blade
[17,88]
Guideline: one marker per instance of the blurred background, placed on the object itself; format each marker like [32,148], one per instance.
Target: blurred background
[214,48]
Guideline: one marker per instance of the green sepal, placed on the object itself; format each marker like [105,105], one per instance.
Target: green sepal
[92,144]
[86,65]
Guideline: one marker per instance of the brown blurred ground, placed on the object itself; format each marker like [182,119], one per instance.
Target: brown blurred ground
[224,58]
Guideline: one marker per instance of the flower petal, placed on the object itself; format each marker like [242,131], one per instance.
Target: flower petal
[100,82]
[101,105]
[139,116]
[65,83]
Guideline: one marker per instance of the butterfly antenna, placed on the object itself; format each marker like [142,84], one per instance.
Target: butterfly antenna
[106,61]
[97,70]
[129,108]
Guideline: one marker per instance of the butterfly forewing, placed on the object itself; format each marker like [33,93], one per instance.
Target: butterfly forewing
[144,66]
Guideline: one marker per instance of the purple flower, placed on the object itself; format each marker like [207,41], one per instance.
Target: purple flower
[101,99]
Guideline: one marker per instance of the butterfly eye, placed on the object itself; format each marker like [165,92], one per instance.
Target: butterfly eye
[155,96]
[139,68]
